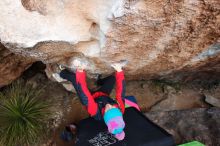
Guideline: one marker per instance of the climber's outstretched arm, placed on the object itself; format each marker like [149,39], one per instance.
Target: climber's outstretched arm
[78,80]
[120,89]
[120,83]
[85,95]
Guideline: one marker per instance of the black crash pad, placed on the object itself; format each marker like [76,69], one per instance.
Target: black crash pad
[139,131]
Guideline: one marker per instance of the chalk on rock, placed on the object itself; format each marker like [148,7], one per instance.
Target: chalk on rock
[121,63]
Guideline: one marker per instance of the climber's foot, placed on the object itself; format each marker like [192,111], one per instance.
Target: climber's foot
[57,77]
[61,67]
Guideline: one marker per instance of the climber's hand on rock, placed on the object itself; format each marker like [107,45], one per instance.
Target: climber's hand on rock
[79,65]
[118,65]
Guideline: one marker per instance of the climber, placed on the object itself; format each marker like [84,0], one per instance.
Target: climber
[98,103]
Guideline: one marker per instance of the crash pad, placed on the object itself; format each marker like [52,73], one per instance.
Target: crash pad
[193,143]
[139,131]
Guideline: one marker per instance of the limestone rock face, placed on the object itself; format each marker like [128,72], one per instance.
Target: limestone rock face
[11,65]
[158,38]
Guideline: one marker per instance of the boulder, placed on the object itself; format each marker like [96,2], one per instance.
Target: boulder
[186,98]
[11,65]
[213,96]
[194,124]
[160,39]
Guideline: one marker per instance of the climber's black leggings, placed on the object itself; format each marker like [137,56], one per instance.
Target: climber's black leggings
[106,84]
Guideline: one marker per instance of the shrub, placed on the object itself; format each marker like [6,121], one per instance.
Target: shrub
[23,115]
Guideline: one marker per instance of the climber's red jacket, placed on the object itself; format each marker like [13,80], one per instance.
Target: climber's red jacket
[91,101]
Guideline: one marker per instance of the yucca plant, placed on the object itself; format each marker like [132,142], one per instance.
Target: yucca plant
[23,115]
